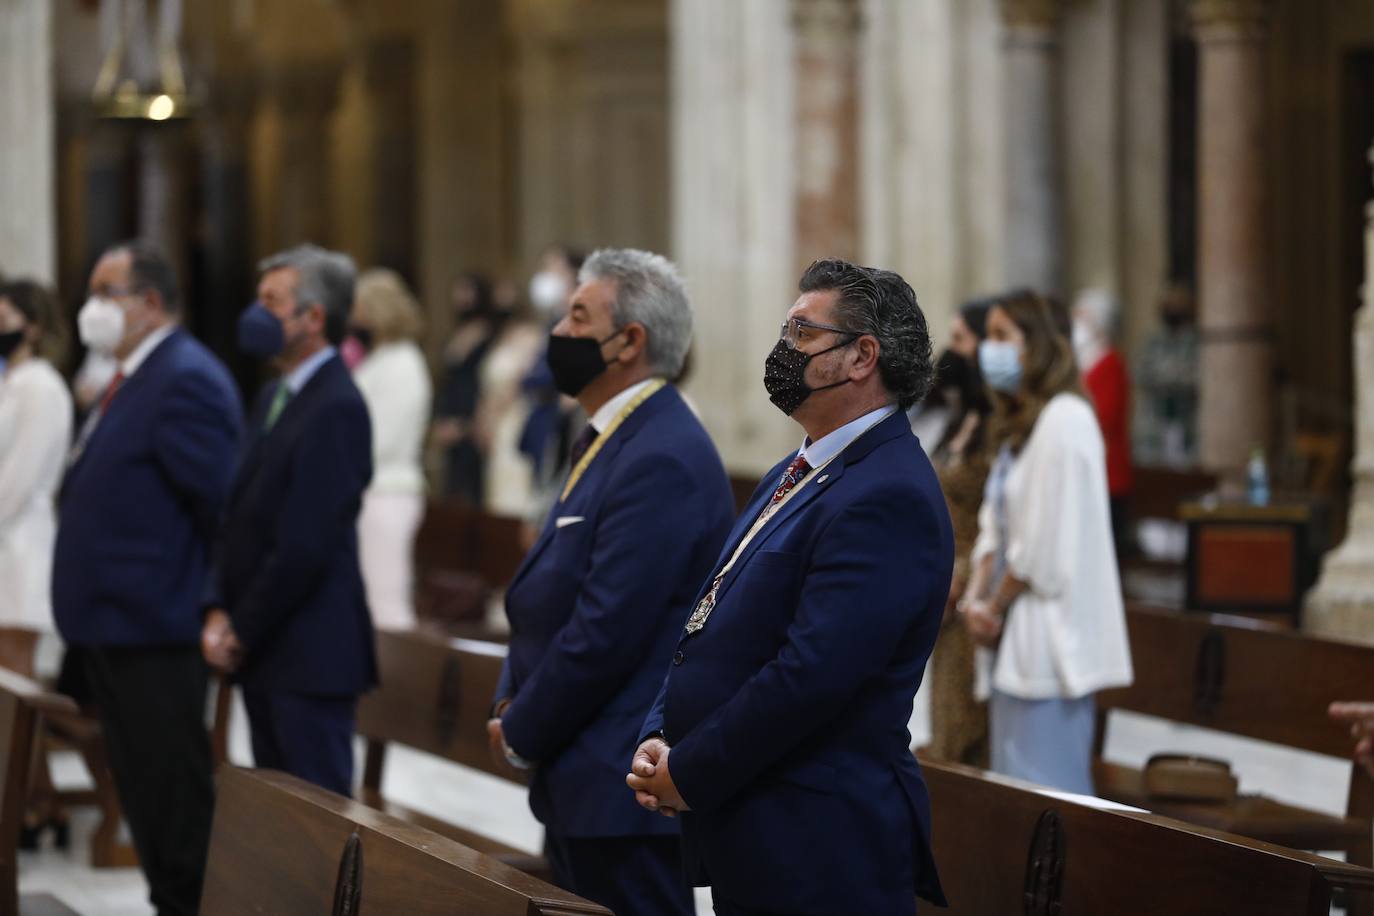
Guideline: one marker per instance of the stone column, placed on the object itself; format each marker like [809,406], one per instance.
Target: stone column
[827,103]
[28,206]
[1233,224]
[1034,220]
[1342,604]
[307,94]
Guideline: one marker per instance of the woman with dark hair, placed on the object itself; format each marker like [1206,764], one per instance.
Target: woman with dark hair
[958,720]
[35,429]
[476,323]
[1044,595]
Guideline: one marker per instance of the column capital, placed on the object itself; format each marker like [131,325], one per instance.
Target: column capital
[826,19]
[1031,14]
[1229,20]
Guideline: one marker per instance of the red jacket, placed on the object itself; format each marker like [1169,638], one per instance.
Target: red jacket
[1110,389]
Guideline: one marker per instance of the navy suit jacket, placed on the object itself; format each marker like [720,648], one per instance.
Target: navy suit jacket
[288,554]
[139,506]
[595,610]
[787,713]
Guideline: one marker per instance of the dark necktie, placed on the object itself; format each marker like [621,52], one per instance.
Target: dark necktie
[581,444]
[111,390]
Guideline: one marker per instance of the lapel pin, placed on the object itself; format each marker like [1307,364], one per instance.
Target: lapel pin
[824,478]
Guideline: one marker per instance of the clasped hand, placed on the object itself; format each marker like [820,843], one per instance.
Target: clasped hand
[651,780]
[219,643]
[984,625]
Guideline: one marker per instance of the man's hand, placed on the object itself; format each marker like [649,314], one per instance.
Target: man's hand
[984,624]
[1360,716]
[218,642]
[496,745]
[651,780]
[956,593]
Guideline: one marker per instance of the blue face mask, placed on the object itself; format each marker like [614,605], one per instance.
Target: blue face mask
[1000,362]
[260,332]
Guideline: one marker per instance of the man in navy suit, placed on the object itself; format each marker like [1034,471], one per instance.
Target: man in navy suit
[289,617]
[145,484]
[780,731]
[598,602]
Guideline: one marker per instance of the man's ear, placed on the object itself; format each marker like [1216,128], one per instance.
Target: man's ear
[866,349]
[636,338]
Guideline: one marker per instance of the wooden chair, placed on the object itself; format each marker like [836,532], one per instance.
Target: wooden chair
[1236,676]
[23,703]
[434,696]
[462,557]
[280,845]
[1005,846]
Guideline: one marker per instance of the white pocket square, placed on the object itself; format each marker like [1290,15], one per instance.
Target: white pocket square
[564,521]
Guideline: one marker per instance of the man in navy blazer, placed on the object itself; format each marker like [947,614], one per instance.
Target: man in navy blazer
[145,484]
[289,616]
[596,606]
[779,734]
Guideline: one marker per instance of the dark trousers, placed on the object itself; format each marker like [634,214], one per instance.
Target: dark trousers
[151,704]
[309,737]
[723,907]
[631,875]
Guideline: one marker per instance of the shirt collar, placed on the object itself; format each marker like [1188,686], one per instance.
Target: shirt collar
[297,377]
[145,349]
[824,449]
[606,412]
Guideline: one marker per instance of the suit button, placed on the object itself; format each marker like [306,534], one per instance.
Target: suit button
[677,658]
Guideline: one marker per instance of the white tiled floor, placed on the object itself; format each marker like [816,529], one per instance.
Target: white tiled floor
[498,808]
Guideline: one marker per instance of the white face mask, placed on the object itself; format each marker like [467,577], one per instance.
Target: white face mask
[101,324]
[1086,345]
[548,292]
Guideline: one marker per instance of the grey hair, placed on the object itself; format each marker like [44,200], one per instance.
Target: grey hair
[324,277]
[648,291]
[881,304]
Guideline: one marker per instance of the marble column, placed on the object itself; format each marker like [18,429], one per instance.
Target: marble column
[733,210]
[827,105]
[1342,604]
[28,206]
[1233,223]
[306,94]
[1034,217]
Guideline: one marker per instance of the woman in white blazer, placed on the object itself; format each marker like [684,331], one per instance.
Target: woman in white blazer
[1045,595]
[394,380]
[35,431]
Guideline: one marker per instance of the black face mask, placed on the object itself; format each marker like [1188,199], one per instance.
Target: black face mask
[576,362]
[784,375]
[10,341]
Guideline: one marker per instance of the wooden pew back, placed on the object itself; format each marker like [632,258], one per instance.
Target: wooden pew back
[434,696]
[455,536]
[1000,850]
[22,704]
[280,845]
[1233,675]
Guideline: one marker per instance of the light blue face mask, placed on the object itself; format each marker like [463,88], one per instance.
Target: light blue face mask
[1000,362]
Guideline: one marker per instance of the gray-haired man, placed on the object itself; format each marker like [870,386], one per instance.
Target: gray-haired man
[597,605]
[290,618]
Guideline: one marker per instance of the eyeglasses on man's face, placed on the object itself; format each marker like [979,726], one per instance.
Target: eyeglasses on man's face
[798,332]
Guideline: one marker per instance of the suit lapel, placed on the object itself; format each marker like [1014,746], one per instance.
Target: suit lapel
[260,439]
[601,464]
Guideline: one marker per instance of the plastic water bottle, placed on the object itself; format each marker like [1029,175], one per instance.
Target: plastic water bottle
[1257,476]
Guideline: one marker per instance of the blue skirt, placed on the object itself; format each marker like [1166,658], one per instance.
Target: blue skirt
[1049,742]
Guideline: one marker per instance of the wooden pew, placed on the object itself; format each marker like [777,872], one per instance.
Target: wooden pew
[1005,846]
[435,696]
[462,557]
[280,845]
[23,704]
[1233,675]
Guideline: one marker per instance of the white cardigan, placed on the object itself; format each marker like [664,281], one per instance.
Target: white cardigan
[35,432]
[394,381]
[1065,637]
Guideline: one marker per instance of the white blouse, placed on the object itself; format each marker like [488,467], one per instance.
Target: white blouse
[394,381]
[1065,637]
[35,433]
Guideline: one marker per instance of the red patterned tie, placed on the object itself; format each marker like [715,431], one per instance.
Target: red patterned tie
[111,391]
[797,470]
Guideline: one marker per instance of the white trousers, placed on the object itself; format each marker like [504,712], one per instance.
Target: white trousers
[386,547]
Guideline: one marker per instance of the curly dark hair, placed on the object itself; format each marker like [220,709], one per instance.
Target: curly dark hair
[881,304]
